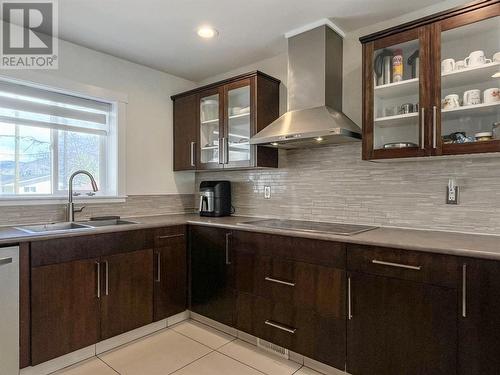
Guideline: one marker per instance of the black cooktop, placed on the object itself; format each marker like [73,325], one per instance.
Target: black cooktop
[310,226]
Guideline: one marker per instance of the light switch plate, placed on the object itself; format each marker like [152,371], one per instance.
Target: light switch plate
[267,192]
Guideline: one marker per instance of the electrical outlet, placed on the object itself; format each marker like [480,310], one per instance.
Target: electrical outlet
[267,192]
[452,195]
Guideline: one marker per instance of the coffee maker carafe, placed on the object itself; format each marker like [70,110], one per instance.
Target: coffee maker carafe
[215,198]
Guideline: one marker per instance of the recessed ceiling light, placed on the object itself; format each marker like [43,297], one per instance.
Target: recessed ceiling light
[207,32]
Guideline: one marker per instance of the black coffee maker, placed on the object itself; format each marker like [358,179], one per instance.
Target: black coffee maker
[215,198]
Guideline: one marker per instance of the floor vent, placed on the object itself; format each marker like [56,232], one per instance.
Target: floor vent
[272,348]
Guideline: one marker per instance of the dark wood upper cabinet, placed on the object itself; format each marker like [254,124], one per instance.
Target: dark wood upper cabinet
[185,132]
[64,308]
[219,120]
[127,292]
[479,318]
[212,272]
[400,327]
[424,104]
[170,292]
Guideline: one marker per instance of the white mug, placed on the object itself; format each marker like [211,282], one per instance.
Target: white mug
[451,101]
[496,57]
[460,64]
[491,95]
[472,97]
[476,58]
[447,65]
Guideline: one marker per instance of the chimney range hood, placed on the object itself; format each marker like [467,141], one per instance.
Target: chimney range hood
[315,115]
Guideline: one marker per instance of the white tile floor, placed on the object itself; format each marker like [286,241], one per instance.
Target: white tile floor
[188,348]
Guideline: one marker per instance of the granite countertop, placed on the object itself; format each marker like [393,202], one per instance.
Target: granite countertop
[452,243]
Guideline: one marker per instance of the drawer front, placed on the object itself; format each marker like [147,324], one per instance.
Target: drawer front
[300,330]
[165,236]
[306,250]
[404,264]
[300,284]
[89,246]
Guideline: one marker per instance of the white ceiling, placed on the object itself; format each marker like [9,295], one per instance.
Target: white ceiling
[162,33]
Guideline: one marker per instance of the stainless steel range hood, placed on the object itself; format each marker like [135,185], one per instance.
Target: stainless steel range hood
[315,115]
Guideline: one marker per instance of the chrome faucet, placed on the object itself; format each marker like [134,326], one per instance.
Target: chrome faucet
[71,209]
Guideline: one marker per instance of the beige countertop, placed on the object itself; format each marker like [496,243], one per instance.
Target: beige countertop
[452,243]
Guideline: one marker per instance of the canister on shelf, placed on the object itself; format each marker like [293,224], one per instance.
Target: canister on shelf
[397,66]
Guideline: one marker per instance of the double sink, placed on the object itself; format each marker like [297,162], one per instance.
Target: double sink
[73,226]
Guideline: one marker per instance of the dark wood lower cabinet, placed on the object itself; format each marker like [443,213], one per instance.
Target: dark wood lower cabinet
[127,292]
[170,275]
[401,327]
[301,330]
[479,318]
[212,291]
[64,309]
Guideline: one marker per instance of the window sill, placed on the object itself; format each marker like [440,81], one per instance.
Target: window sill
[34,201]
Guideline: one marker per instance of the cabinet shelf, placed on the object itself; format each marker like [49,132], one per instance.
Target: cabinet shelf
[216,120]
[397,89]
[485,108]
[241,115]
[404,119]
[469,76]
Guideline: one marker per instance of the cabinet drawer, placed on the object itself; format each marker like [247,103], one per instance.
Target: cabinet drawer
[403,264]
[300,284]
[300,249]
[165,236]
[300,330]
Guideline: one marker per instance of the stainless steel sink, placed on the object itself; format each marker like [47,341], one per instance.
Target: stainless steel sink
[106,223]
[72,226]
[54,227]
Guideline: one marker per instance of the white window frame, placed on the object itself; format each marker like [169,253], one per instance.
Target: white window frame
[114,149]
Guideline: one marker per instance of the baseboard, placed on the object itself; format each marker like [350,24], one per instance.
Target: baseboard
[60,362]
[214,324]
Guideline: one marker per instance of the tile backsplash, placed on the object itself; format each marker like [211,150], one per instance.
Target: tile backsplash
[135,205]
[333,184]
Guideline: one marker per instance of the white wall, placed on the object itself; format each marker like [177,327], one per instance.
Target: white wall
[352,64]
[149,157]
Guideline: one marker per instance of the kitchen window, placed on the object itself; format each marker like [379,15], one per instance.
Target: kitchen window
[47,135]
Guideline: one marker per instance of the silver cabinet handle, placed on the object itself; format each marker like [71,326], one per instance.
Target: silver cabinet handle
[4,261]
[226,151]
[192,154]
[228,235]
[464,290]
[434,126]
[221,150]
[398,265]
[107,277]
[422,124]
[279,281]
[158,267]
[349,299]
[171,236]
[280,326]
[98,279]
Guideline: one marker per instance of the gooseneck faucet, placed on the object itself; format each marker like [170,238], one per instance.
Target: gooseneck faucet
[71,210]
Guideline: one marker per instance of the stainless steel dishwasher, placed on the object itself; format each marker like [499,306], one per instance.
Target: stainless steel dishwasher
[9,310]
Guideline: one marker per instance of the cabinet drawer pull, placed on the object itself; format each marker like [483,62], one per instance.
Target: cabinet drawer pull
[279,281]
[280,326]
[464,290]
[422,146]
[349,299]
[192,154]
[434,127]
[106,268]
[4,261]
[98,266]
[228,235]
[158,267]
[398,265]
[170,236]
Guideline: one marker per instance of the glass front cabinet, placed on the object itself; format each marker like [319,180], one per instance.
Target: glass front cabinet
[228,113]
[431,87]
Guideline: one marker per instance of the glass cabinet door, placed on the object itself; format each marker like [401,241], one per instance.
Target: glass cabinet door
[239,124]
[210,131]
[468,102]
[398,115]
